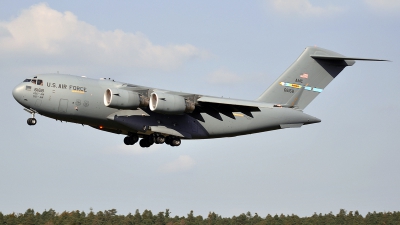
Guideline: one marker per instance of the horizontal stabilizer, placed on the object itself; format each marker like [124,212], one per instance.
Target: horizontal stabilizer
[344,58]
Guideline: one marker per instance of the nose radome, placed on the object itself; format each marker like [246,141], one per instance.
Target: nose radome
[17,92]
[14,93]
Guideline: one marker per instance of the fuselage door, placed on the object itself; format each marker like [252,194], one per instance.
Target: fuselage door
[62,108]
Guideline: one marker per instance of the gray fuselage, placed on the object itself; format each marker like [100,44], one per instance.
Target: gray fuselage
[81,100]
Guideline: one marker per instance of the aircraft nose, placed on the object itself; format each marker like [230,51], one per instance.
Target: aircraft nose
[17,92]
[14,93]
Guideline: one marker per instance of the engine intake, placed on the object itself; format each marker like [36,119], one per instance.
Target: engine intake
[123,99]
[170,104]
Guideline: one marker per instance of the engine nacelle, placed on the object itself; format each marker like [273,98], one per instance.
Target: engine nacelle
[121,99]
[170,104]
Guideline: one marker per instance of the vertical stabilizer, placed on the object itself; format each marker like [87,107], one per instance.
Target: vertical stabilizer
[316,68]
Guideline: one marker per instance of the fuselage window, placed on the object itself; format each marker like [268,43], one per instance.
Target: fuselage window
[27,80]
[33,81]
[39,82]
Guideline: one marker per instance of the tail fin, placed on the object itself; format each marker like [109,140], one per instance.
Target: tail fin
[316,67]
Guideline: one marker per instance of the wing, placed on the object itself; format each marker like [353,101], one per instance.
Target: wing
[213,106]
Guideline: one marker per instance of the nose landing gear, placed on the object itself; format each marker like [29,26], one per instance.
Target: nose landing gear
[31,121]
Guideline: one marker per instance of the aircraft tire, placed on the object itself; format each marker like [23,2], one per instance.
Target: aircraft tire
[160,139]
[144,143]
[168,140]
[128,140]
[150,140]
[134,138]
[176,142]
[32,121]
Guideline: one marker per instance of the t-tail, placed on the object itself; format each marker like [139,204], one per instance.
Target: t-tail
[307,77]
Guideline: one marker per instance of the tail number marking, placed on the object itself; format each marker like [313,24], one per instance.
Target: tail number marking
[288,90]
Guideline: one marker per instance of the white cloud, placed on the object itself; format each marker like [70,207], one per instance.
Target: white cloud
[183,163]
[302,8]
[42,33]
[223,76]
[384,5]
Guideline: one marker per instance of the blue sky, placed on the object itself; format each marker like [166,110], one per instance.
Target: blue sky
[224,48]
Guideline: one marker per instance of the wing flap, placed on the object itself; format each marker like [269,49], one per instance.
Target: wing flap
[214,106]
[252,105]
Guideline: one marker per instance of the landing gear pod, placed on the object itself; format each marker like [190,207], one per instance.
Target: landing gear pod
[121,99]
[170,104]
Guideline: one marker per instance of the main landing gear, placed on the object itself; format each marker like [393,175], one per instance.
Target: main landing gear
[131,139]
[173,141]
[155,138]
[31,121]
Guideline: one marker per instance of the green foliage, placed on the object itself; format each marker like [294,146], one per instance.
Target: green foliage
[110,217]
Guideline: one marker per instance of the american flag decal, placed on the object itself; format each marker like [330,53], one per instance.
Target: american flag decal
[304,75]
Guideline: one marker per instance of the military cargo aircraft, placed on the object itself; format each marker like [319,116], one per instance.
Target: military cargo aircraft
[157,116]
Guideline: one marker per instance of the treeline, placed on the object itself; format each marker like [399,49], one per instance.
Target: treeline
[50,217]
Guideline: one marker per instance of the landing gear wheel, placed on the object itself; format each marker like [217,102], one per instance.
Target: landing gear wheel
[150,140]
[173,141]
[128,140]
[144,143]
[176,142]
[31,121]
[134,138]
[131,139]
[160,139]
[168,140]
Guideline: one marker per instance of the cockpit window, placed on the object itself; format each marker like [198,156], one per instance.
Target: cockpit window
[27,80]
[39,82]
[33,81]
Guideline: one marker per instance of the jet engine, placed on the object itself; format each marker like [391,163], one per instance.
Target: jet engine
[170,104]
[122,99]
